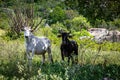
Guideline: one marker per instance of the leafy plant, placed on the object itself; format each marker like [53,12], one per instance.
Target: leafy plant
[79,23]
[57,26]
[107,24]
[58,14]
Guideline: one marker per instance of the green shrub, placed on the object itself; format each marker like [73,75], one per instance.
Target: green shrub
[83,32]
[68,24]
[70,14]
[2,32]
[3,20]
[56,27]
[77,35]
[115,24]
[3,24]
[58,14]
[79,23]
[11,35]
[101,24]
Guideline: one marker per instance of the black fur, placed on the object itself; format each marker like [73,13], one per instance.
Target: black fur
[68,48]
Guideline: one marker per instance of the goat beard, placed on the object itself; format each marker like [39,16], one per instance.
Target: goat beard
[28,39]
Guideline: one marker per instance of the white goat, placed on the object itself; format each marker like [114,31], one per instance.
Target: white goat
[36,45]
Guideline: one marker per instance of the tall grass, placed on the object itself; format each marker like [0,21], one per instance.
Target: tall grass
[94,64]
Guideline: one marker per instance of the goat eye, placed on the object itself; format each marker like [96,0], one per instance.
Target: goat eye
[31,30]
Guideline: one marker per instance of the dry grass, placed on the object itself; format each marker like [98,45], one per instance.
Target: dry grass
[2,32]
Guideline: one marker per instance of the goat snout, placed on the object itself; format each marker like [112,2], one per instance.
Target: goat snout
[64,42]
[26,36]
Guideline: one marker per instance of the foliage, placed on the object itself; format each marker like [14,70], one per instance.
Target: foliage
[3,20]
[96,9]
[57,26]
[11,35]
[58,14]
[101,24]
[3,24]
[83,32]
[79,23]
[115,24]
[70,14]
[19,15]
[2,32]
[7,3]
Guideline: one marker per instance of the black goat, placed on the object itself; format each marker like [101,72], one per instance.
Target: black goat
[68,47]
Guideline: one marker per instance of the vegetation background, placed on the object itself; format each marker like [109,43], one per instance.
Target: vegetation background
[96,61]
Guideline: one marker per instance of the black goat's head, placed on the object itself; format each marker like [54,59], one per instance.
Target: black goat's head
[64,36]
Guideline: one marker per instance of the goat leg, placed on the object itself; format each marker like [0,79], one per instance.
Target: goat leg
[72,59]
[50,55]
[43,59]
[76,59]
[62,56]
[68,60]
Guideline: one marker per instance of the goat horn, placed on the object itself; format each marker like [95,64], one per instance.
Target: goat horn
[60,31]
[69,32]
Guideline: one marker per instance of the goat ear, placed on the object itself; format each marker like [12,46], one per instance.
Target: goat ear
[70,36]
[22,29]
[31,30]
[69,32]
[60,31]
[59,35]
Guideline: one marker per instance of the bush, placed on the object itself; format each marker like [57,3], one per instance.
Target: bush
[83,32]
[11,35]
[57,26]
[58,14]
[3,20]
[70,14]
[3,24]
[79,23]
[115,24]
[101,24]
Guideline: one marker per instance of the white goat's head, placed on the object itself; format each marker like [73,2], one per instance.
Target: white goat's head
[27,32]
